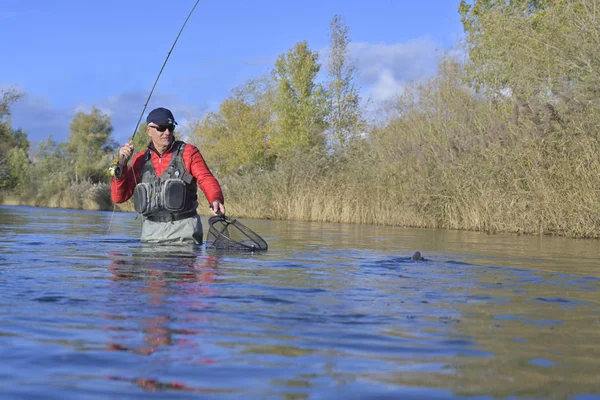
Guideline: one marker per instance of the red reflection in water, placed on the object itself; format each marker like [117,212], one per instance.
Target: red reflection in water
[154,385]
[188,279]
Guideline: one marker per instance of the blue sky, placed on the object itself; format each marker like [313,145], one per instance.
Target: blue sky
[72,55]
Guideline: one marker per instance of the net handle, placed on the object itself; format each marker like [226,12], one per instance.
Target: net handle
[225,217]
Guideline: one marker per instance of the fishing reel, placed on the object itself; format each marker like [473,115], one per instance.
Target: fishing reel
[115,168]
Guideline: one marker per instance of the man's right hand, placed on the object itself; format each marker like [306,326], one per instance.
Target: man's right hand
[125,153]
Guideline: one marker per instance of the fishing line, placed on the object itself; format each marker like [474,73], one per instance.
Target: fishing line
[161,70]
[112,214]
[116,159]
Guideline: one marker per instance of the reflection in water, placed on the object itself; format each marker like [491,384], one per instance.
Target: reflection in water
[167,284]
[154,385]
[166,263]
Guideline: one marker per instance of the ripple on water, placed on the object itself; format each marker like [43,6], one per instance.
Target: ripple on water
[91,315]
[542,362]
[554,300]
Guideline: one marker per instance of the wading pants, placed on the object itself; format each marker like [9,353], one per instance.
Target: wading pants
[187,230]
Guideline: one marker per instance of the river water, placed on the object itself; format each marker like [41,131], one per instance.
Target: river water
[328,312]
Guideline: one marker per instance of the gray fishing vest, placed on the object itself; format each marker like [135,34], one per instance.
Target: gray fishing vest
[170,197]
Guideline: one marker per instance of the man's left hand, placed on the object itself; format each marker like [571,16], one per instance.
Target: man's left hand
[217,206]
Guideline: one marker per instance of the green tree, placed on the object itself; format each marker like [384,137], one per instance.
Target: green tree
[543,53]
[300,103]
[9,137]
[49,173]
[141,138]
[17,166]
[14,161]
[236,139]
[345,117]
[90,145]
[530,46]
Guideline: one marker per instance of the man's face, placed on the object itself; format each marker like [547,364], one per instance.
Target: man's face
[161,135]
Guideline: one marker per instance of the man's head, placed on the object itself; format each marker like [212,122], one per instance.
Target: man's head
[161,125]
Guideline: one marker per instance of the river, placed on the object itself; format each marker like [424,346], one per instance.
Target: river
[328,312]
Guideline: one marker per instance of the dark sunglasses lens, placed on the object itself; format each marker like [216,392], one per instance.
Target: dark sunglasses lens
[162,128]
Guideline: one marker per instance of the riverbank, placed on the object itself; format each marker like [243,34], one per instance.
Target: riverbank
[469,168]
[80,196]
[344,193]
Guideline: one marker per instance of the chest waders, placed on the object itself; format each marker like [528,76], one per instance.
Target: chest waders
[170,197]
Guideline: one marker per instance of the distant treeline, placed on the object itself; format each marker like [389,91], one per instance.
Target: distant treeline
[506,140]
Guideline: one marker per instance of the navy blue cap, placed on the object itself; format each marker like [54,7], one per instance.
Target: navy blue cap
[161,116]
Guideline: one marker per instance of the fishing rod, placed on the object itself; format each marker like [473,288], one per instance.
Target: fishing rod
[115,166]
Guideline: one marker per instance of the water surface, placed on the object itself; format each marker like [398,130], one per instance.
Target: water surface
[330,311]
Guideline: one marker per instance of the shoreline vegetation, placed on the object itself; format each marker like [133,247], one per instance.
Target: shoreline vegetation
[506,140]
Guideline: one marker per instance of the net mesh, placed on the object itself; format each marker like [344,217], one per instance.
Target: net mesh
[230,234]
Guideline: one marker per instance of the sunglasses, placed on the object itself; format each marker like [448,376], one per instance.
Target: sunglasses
[162,128]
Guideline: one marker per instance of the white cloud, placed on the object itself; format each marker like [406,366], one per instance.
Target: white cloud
[386,87]
[384,69]
[125,110]
[40,119]
[37,116]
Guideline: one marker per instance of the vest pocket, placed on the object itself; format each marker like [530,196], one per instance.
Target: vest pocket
[174,195]
[142,198]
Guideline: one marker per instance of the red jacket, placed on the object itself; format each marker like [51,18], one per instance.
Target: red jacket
[122,189]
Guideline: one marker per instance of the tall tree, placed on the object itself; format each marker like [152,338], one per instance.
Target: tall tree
[14,161]
[235,140]
[530,46]
[48,173]
[300,104]
[90,145]
[8,136]
[543,53]
[141,138]
[17,168]
[345,117]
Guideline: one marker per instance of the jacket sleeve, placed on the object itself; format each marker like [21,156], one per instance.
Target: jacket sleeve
[199,170]
[122,189]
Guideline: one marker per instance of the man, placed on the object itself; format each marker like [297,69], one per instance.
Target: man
[163,180]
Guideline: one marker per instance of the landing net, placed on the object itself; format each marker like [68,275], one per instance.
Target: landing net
[230,234]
